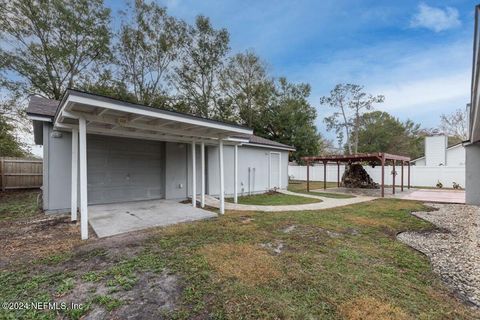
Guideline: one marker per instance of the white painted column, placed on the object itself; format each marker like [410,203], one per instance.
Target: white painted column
[222,193]
[202,155]
[235,173]
[194,176]
[82,124]
[74,195]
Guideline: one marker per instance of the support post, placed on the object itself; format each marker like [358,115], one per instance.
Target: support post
[408,174]
[401,184]
[194,176]
[74,193]
[324,175]
[222,195]
[383,175]
[235,174]
[202,192]
[338,174]
[308,176]
[82,125]
[393,177]
[2,171]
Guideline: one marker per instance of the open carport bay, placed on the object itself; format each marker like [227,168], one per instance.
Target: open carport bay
[112,219]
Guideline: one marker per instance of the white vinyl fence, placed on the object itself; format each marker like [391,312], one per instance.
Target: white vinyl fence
[420,176]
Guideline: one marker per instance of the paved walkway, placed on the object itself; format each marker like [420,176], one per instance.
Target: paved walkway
[428,195]
[325,204]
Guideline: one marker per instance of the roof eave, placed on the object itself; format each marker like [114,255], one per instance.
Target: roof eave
[39,117]
[142,108]
[286,148]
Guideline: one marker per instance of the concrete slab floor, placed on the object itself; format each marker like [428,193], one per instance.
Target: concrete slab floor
[116,218]
[437,195]
[429,195]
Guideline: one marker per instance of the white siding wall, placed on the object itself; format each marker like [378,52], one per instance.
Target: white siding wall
[253,170]
[435,150]
[419,176]
[456,156]
[420,162]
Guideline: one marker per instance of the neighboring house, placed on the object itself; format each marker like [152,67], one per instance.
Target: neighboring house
[101,150]
[472,145]
[437,153]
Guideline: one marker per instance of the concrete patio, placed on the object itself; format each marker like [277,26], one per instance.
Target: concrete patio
[116,218]
[427,195]
[436,195]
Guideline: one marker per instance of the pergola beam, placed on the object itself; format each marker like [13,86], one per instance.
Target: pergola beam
[358,157]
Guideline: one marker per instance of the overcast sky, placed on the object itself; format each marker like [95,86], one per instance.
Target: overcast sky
[418,54]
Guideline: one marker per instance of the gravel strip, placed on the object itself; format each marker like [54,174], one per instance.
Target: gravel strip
[454,249]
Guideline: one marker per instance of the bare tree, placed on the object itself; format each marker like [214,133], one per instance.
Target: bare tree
[350,102]
[455,124]
[196,75]
[149,42]
[245,84]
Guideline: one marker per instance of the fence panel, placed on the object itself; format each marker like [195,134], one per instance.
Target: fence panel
[20,173]
[420,176]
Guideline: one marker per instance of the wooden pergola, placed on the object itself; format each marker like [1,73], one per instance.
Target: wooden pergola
[379,157]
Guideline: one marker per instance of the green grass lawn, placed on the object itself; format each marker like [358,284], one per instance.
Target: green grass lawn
[342,263]
[301,187]
[273,199]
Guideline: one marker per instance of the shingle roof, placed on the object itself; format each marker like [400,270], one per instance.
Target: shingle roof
[42,106]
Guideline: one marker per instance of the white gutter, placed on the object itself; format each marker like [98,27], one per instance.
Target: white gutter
[267,146]
[40,118]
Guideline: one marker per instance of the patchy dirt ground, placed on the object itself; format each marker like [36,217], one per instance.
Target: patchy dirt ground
[94,270]
[36,237]
[28,234]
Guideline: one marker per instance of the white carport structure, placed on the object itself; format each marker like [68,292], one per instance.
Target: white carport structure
[84,113]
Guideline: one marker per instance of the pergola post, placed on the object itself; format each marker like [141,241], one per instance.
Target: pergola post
[194,176]
[308,176]
[324,175]
[74,190]
[220,158]
[202,163]
[338,174]
[383,175]
[235,173]
[401,184]
[393,174]
[408,174]
[82,125]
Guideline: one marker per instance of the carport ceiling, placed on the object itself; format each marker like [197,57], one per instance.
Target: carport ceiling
[114,117]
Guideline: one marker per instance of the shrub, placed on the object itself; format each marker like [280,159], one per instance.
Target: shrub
[457,186]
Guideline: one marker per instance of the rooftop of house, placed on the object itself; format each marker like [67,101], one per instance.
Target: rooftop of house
[43,107]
